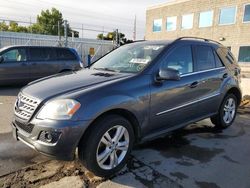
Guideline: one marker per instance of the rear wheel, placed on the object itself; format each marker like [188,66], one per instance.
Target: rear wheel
[227,112]
[108,145]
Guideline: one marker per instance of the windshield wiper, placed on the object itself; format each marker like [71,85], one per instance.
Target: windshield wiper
[106,69]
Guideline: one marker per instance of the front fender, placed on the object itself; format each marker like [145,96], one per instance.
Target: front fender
[93,109]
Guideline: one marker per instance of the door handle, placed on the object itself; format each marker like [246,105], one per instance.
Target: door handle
[225,75]
[194,84]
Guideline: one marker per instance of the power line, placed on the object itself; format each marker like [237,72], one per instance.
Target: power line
[72,10]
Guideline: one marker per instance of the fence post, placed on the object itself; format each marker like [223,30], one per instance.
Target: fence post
[66,33]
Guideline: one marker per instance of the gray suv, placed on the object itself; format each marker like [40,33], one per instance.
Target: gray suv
[135,93]
[22,64]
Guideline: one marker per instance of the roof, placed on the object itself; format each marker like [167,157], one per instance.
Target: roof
[170,2]
[20,46]
[189,39]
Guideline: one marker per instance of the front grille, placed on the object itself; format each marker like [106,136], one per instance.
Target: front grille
[25,107]
[27,128]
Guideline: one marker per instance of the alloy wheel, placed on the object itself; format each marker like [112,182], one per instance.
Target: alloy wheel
[112,147]
[229,110]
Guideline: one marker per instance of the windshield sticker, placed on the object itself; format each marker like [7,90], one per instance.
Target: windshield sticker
[140,61]
[153,47]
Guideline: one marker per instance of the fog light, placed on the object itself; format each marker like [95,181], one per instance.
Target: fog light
[48,137]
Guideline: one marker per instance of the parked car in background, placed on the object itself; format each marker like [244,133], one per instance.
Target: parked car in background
[137,92]
[22,64]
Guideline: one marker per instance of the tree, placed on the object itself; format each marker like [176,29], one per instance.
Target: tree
[3,26]
[47,23]
[48,20]
[14,27]
[112,36]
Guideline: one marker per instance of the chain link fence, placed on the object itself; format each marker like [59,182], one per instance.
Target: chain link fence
[82,45]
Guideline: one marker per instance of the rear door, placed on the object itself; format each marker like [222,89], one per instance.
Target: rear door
[211,73]
[66,59]
[42,62]
[14,68]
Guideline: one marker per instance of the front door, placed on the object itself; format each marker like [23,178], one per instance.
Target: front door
[173,102]
[14,68]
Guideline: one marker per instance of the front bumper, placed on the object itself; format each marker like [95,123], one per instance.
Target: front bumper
[63,147]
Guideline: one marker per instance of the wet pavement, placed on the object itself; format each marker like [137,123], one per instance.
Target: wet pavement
[197,156]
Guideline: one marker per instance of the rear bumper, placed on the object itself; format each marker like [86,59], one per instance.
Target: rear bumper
[63,146]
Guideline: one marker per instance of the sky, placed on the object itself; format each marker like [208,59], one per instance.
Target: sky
[100,15]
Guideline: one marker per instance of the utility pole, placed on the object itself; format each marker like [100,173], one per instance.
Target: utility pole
[82,31]
[59,32]
[66,33]
[134,33]
[116,38]
[30,25]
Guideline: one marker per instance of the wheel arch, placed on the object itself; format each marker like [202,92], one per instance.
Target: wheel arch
[236,92]
[121,112]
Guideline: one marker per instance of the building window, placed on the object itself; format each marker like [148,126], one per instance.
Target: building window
[187,21]
[157,24]
[247,14]
[227,16]
[206,19]
[171,23]
[244,54]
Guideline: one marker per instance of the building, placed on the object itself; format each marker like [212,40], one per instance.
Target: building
[226,21]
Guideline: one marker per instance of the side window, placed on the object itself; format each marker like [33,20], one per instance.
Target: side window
[65,54]
[226,55]
[15,55]
[50,54]
[180,59]
[204,57]
[37,54]
[218,62]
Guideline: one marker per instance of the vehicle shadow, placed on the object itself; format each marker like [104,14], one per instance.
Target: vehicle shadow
[177,138]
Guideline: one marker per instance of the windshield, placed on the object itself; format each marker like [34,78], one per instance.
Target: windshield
[2,49]
[130,58]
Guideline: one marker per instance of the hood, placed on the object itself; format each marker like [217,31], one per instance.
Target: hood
[68,82]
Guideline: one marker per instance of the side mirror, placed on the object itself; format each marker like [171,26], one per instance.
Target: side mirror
[168,74]
[1,59]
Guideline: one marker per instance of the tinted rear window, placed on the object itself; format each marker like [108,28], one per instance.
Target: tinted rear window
[65,54]
[42,54]
[205,58]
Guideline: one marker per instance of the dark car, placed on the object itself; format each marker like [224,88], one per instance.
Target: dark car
[136,93]
[22,64]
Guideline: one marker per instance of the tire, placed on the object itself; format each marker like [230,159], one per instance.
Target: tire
[221,120]
[98,154]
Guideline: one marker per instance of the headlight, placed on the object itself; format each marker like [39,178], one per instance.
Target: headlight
[59,109]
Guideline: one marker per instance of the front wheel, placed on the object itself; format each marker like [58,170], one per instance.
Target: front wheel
[108,145]
[227,112]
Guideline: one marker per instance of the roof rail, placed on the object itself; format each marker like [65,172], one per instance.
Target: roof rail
[198,38]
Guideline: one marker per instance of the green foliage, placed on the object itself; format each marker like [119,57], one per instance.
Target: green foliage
[3,26]
[112,36]
[14,27]
[47,23]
